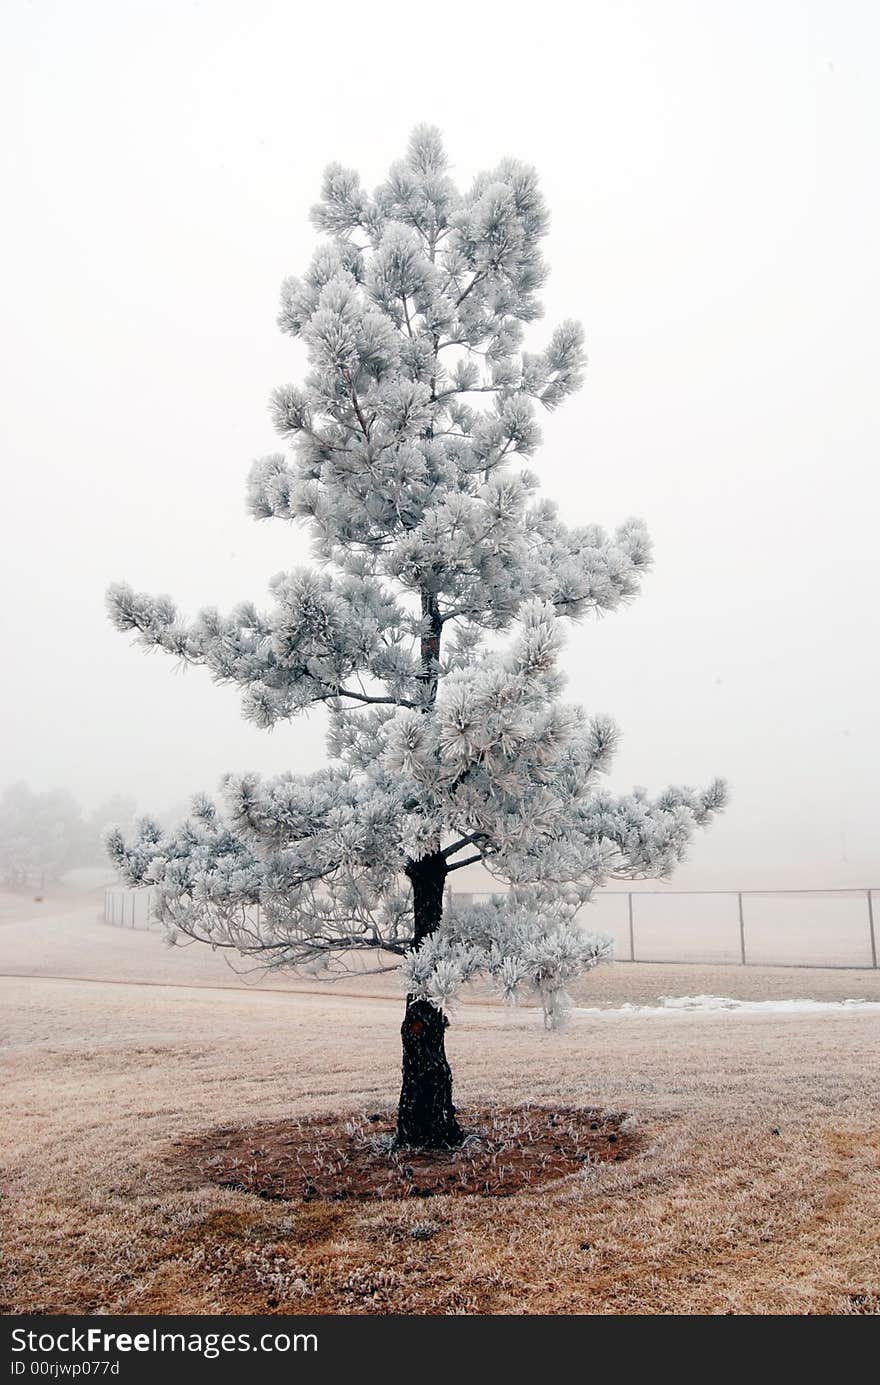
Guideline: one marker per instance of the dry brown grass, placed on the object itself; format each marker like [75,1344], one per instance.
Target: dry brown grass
[756,1190]
[719,1214]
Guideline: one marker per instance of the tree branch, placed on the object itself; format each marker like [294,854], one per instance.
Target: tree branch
[462,842]
[462,296]
[468,861]
[366,697]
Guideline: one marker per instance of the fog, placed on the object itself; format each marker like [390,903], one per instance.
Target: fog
[711,174]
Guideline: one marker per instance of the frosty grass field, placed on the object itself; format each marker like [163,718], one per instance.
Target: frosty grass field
[755,1190]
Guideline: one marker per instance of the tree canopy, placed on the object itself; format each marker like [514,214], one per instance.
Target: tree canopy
[430,626]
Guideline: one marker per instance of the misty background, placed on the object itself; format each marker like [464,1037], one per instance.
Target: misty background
[711,175]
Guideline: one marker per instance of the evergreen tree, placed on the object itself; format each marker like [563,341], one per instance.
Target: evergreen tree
[430,629]
[42,835]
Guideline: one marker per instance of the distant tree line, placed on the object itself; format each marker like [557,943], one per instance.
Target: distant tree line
[42,835]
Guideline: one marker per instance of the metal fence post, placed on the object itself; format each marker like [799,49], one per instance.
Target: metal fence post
[871,929]
[632,939]
[742,928]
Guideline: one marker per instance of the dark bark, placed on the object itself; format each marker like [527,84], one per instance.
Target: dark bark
[430,644]
[425,1113]
[428,880]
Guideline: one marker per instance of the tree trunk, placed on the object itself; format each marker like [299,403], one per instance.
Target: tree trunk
[425,1113]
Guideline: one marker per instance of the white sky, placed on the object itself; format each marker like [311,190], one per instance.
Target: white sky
[711,173]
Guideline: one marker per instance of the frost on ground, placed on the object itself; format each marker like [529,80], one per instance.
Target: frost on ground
[756,1190]
[722,1004]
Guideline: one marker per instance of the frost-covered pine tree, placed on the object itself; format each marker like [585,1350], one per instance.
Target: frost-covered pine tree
[430,628]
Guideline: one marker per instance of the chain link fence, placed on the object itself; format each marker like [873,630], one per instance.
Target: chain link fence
[767,928]
[128,908]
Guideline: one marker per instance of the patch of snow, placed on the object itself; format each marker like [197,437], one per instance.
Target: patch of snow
[720,1004]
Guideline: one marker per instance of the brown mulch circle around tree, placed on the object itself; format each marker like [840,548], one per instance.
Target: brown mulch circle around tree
[337,1158]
